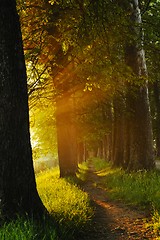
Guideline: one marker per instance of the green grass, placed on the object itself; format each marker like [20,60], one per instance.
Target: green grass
[65,201]
[70,206]
[139,188]
[99,164]
[82,172]
[25,229]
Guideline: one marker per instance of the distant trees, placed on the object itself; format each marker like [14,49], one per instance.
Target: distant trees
[95,50]
[18,193]
[131,127]
[52,57]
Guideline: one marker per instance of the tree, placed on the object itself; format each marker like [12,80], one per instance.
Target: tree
[139,151]
[18,193]
[66,136]
[151,21]
[137,135]
[118,133]
[156,119]
[108,56]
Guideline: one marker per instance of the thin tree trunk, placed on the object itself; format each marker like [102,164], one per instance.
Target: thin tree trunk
[66,136]
[118,132]
[81,152]
[157,120]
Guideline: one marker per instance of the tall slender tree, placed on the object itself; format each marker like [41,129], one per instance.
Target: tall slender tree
[66,136]
[18,193]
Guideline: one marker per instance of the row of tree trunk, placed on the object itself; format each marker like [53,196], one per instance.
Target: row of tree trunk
[129,143]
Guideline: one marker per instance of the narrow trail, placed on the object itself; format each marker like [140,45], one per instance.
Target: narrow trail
[113,220]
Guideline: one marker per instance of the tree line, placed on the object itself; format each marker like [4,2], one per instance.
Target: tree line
[94,55]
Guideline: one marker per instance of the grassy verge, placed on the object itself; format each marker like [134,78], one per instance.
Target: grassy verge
[82,172]
[65,201]
[139,189]
[25,229]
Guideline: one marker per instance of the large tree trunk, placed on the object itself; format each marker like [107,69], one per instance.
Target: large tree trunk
[66,136]
[18,192]
[139,120]
[140,133]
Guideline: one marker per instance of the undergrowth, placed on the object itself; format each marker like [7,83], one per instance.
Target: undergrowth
[24,228]
[137,188]
[82,172]
[66,203]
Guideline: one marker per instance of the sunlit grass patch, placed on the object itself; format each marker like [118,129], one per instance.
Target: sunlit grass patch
[99,164]
[138,188]
[82,170]
[65,201]
[154,226]
[141,188]
[83,165]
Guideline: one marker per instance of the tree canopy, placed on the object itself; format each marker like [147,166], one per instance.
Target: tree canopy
[95,53]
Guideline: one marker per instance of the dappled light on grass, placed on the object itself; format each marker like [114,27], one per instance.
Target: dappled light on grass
[65,201]
[140,188]
[104,172]
[82,170]
[155,226]
[99,164]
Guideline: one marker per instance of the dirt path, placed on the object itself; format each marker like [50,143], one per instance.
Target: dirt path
[113,220]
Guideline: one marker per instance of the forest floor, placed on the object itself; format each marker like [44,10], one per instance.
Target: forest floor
[113,220]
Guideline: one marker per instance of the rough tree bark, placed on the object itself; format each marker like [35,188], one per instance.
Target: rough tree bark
[18,193]
[140,150]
